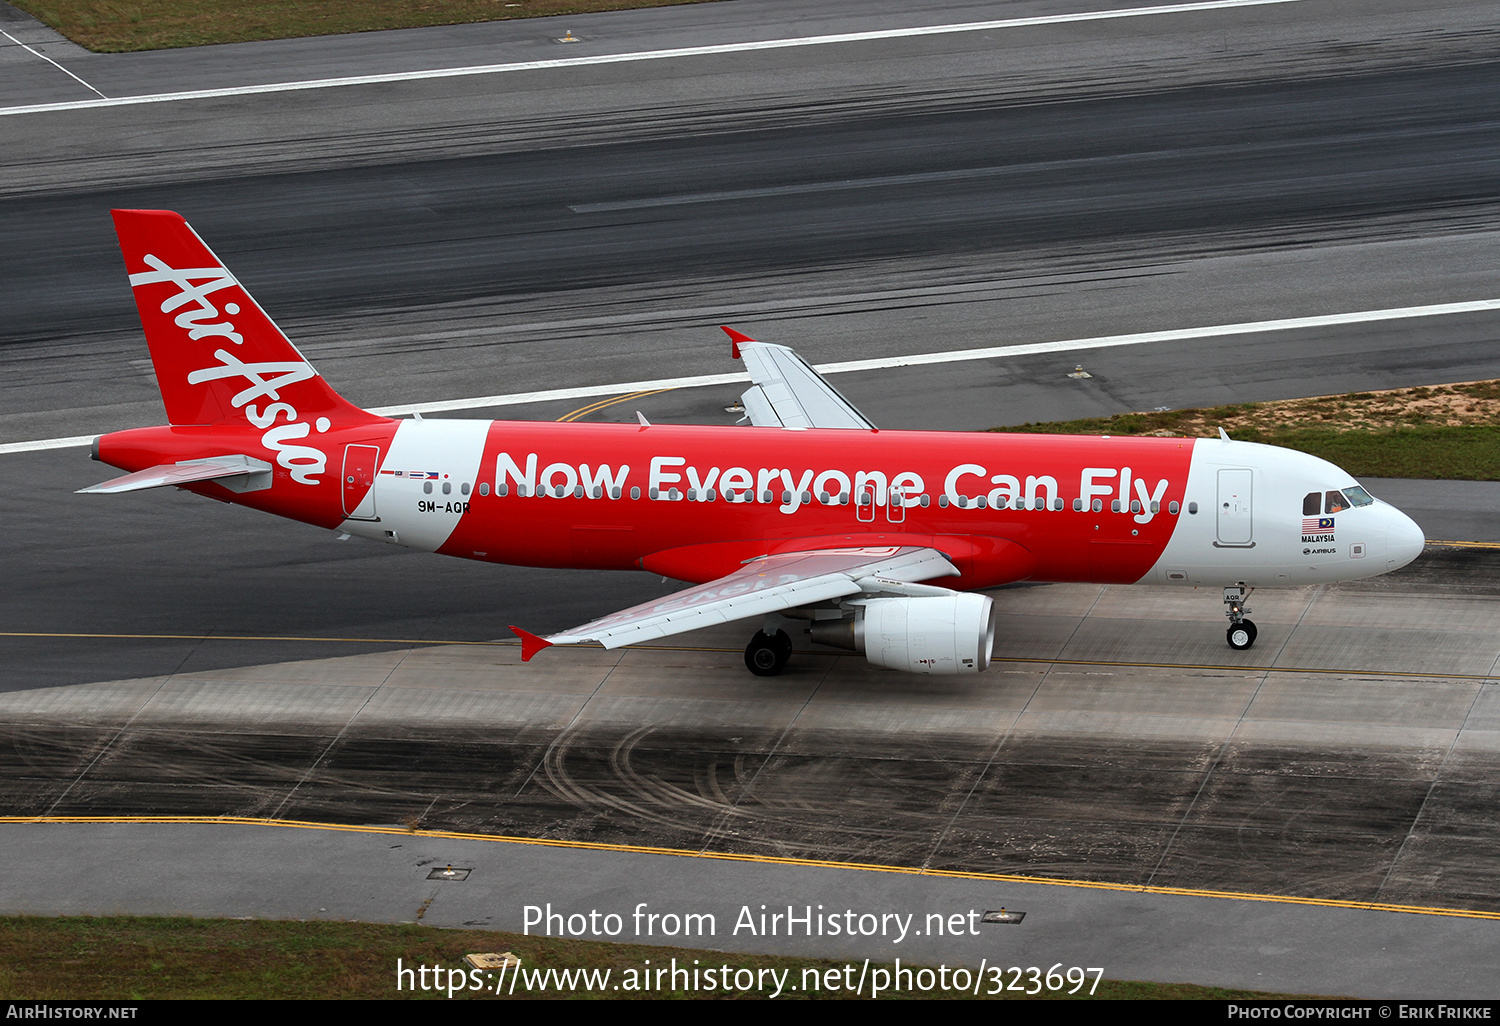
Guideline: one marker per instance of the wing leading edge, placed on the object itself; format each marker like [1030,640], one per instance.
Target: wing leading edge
[769,584]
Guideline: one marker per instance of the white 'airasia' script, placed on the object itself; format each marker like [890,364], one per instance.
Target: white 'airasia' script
[200,318]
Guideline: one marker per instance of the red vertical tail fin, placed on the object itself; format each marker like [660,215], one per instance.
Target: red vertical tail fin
[219,358]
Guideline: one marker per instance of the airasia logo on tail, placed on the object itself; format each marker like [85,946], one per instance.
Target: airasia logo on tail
[264,380]
[192,321]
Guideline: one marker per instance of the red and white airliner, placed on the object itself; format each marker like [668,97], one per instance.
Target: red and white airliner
[879,539]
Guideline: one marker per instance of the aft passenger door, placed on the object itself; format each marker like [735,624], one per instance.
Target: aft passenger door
[360,465]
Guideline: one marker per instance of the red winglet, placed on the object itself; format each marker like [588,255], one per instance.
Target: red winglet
[530,643]
[735,338]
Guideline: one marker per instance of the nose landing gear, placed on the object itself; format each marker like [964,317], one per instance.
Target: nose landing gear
[767,654]
[1241,633]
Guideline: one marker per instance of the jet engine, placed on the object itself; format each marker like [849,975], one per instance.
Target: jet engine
[942,634]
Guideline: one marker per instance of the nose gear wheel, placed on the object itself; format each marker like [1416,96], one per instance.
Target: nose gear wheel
[1241,635]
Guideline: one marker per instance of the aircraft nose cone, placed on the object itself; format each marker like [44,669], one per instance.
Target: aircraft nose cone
[1404,540]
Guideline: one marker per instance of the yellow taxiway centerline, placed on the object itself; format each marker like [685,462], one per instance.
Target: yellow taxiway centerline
[584,411]
[1040,660]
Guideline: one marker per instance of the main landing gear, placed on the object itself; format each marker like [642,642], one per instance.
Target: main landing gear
[766,655]
[1241,633]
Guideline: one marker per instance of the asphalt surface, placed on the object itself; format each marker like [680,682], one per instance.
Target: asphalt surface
[565,227]
[429,240]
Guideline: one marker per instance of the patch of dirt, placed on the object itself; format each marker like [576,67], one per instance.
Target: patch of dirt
[1469,402]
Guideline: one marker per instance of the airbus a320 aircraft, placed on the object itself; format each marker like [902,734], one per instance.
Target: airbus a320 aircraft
[879,539]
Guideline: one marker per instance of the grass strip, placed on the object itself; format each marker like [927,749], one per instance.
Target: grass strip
[1444,431]
[119,26]
[132,959]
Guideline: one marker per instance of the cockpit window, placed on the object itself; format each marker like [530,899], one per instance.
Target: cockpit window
[1358,496]
[1334,502]
[1311,503]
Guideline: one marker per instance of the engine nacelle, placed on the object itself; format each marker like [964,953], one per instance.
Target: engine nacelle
[941,634]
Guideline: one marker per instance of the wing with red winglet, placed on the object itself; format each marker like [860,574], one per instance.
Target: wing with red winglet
[787,392]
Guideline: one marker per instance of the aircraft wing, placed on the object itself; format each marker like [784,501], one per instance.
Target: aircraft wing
[186,472]
[787,392]
[766,585]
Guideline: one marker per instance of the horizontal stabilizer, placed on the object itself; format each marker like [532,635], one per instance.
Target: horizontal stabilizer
[183,473]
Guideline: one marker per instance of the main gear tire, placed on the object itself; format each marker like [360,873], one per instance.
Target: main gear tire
[767,654]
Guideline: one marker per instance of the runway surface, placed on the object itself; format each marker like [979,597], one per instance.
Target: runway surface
[562,228]
[430,240]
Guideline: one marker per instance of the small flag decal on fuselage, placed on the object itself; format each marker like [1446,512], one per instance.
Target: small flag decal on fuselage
[1311,524]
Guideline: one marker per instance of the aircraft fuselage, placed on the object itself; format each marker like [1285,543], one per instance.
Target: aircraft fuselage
[693,503]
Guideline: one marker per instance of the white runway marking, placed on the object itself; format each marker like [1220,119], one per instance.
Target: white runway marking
[809,188]
[49,60]
[889,362]
[649,55]
[75,442]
